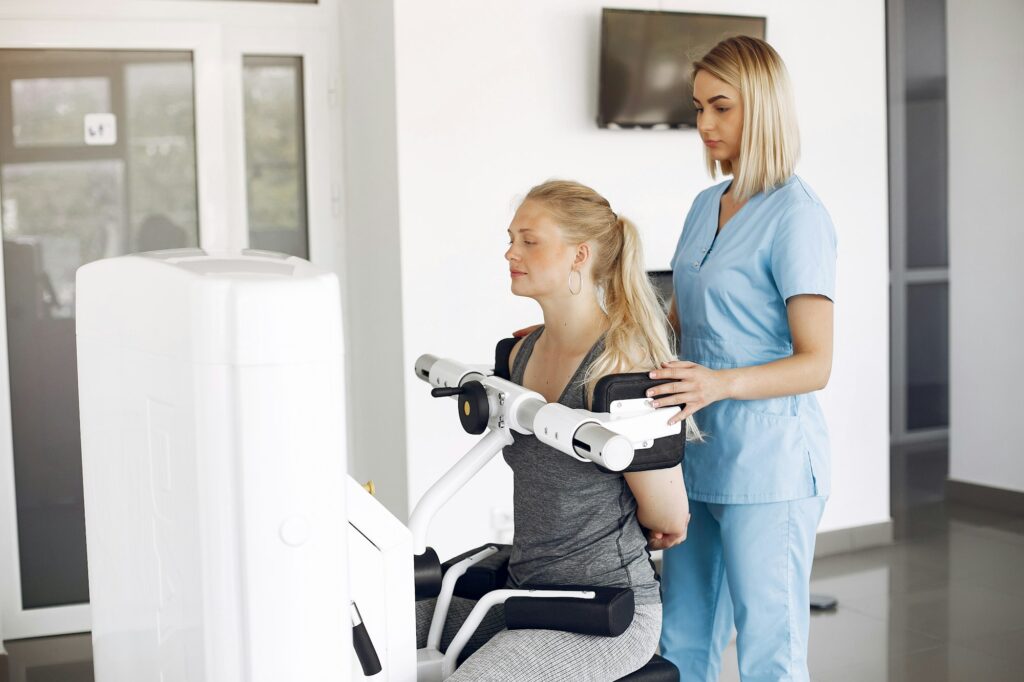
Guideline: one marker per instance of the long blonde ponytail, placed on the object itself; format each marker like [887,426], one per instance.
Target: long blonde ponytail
[638,337]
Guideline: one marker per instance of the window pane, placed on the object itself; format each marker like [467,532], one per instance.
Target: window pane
[928,359]
[63,206]
[50,112]
[927,231]
[275,154]
[924,55]
[161,155]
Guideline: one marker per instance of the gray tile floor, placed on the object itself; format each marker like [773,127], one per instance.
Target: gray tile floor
[944,603]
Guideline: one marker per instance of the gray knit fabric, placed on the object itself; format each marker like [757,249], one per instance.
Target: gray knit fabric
[502,655]
[574,524]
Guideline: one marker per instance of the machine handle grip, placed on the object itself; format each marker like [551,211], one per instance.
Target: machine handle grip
[446,392]
[365,651]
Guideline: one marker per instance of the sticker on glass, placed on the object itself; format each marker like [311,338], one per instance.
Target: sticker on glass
[100,129]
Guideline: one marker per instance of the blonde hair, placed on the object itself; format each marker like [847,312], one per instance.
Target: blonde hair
[638,336]
[770,145]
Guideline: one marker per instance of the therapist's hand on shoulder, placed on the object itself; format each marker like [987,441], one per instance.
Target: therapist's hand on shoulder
[693,385]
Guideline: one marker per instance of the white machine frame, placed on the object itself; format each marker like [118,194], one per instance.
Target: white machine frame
[608,439]
[214,457]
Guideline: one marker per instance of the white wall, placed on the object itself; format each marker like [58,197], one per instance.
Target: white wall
[373,301]
[493,98]
[986,240]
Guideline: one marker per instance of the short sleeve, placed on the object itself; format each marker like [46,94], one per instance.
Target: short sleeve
[803,259]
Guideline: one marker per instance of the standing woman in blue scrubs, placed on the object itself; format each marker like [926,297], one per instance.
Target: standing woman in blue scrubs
[754,282]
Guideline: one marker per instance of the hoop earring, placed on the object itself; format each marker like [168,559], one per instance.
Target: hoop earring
[579,282]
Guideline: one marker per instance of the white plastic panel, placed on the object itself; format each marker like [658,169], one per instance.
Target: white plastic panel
[214,468]
[381,583]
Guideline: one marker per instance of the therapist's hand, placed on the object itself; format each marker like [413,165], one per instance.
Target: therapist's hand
[694,386]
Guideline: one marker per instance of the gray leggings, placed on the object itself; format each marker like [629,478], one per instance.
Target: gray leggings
[501,655]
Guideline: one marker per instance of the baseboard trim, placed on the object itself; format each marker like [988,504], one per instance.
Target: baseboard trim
[999,499]
[851,539]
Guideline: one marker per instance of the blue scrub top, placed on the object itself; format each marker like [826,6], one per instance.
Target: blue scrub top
[731,293]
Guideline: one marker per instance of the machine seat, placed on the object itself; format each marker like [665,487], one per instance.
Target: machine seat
[613,604]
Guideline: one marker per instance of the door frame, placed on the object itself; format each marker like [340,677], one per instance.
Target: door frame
[218,34]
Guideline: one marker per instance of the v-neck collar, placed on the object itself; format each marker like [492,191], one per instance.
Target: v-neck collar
[718,205]
[580,368]
[716,232]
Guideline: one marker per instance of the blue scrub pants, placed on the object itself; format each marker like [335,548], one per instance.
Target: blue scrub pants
[747,565]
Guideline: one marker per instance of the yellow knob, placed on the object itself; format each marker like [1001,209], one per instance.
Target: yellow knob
[370,488]
[465,407]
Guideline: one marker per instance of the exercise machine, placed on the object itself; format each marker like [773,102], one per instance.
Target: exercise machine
[226,541]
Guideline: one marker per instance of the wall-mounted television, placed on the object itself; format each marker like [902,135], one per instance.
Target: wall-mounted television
[647,59]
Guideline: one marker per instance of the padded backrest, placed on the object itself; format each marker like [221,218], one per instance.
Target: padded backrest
[490,574]
[664,454]
[666,451]
[502,367]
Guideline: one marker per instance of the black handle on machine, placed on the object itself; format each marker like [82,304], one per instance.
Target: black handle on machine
[474,410]
[365,651]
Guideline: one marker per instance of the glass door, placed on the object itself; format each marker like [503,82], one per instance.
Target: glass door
[919,251]
[120,136]
[97,160]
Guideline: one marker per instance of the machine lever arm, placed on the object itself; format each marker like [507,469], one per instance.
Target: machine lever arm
[365,651]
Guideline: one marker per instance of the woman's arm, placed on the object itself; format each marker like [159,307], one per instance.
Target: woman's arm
[661,503]
[807,369]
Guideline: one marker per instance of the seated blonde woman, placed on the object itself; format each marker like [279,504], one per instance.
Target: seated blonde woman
[576,524]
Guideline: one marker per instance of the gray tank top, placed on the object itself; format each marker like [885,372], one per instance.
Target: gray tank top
[574,524]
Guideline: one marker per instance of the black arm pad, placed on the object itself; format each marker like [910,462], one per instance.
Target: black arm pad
[426,570]
[490,574]
[664,454]
[608,614]
[502,352]
[667,451]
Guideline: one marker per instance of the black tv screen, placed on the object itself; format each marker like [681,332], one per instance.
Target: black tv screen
[647,60]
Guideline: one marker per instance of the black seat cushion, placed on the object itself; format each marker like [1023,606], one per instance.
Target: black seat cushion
[486,576]
[658,670]
[608,614]
[426,570]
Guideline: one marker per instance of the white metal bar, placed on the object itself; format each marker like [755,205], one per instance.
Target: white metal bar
[456,477]
[444,599]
